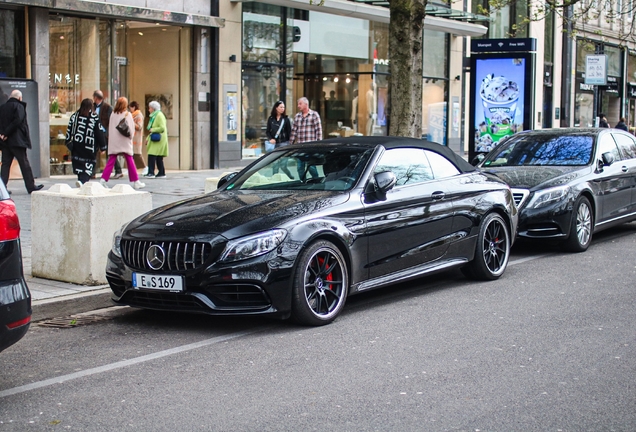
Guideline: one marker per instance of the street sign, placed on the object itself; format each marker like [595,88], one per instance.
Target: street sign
[596,69]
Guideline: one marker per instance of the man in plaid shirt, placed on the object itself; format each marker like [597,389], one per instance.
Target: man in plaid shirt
[307,125]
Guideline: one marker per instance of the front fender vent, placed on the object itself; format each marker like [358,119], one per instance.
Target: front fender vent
[520,196]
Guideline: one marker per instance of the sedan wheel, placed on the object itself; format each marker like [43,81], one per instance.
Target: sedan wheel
[580,227]
[320,286]
[492,251]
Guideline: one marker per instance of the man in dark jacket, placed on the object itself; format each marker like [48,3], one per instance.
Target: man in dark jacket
[15,140]
[103,111]
[622,125]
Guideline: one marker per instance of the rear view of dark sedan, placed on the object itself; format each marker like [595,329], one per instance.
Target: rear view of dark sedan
[15,299]
[568,183]
[304,227]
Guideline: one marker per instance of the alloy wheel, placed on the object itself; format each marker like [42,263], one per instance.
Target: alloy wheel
[496,246]
[583,224]
[324,283]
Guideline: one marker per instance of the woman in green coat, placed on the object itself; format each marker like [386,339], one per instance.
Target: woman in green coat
[157,147]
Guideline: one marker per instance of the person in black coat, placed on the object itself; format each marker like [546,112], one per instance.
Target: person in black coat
[622,125]
[278,132]
[602,122]
[277,116]
[86,140]
[15,140]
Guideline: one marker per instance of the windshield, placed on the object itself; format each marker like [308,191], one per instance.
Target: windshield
[548,150]
[329,168]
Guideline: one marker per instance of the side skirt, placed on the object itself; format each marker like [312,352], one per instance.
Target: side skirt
[404,275]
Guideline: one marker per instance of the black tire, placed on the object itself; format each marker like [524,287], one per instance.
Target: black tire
[492,251]
[320,285]
[581,226]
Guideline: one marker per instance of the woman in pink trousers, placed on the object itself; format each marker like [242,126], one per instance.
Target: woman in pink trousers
[120,144]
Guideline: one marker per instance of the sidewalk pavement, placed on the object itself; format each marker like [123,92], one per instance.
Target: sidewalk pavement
[52,298]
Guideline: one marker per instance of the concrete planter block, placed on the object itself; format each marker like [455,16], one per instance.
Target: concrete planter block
[212,182]
[72,229]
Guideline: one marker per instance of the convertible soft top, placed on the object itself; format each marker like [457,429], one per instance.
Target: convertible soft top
[390,142]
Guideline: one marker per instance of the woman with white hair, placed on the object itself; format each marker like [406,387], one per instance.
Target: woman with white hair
[157,141]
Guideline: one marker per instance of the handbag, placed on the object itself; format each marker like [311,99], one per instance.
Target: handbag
[155,136]
[123,128]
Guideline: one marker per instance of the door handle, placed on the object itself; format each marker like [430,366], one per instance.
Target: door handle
[437,195]
[624,168]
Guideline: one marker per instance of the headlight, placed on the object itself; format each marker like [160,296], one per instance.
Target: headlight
[116,248]
[548,196]
[252,246]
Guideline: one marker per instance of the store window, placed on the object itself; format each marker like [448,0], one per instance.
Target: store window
[346,83]
[80,52]
[435,87]
[548,67]
[267,58]
[631,89]
[507,20]
[584,95]
[12,50]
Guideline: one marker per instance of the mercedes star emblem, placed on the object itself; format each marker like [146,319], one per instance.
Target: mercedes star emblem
[155,257]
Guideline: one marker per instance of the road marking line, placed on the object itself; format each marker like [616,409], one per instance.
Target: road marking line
[530,258]
[125,363]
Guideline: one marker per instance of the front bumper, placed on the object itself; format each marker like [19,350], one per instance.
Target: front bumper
[549,222]
[258,286]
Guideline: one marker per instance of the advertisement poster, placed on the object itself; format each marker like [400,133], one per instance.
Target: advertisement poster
[232,115]
[437,123]
[499,100]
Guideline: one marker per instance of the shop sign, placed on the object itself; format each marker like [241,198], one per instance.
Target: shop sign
[631,90]
[596,69]
[64,79]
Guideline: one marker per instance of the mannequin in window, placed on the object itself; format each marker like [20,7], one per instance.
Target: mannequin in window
[354,111]
[371,109]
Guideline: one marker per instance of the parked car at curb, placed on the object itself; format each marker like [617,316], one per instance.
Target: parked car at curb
[305,226]
[15,298]
[568,183]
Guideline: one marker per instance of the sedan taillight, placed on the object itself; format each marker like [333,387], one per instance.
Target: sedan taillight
[20,323]
[9,222]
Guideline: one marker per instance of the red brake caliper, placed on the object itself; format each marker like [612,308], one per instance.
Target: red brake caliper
[329,277]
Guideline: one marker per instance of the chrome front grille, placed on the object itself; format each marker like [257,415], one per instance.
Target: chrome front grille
[520,196]
[179,256]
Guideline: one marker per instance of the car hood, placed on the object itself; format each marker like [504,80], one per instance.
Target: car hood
[537,177]
[231,214]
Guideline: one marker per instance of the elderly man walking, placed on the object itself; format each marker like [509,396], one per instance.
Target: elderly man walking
[15,140]
[306,127]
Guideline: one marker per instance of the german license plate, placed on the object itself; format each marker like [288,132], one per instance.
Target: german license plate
[158,282]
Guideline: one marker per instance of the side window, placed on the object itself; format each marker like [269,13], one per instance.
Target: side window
[627,145]
[409,165]
[607,144]
[441,166]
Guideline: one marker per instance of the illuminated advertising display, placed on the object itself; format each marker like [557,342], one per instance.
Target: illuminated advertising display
[501,98]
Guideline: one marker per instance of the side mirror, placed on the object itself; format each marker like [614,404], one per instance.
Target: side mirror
[478,159]
[377,188]
[225,179]
[384,181]
[608,158]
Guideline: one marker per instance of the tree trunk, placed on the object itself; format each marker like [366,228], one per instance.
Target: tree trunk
[405,52]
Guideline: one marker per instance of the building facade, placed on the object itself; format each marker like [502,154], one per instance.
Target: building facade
[139,50]
[218,67]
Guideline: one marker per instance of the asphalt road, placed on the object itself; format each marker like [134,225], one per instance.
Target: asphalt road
[549,346]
